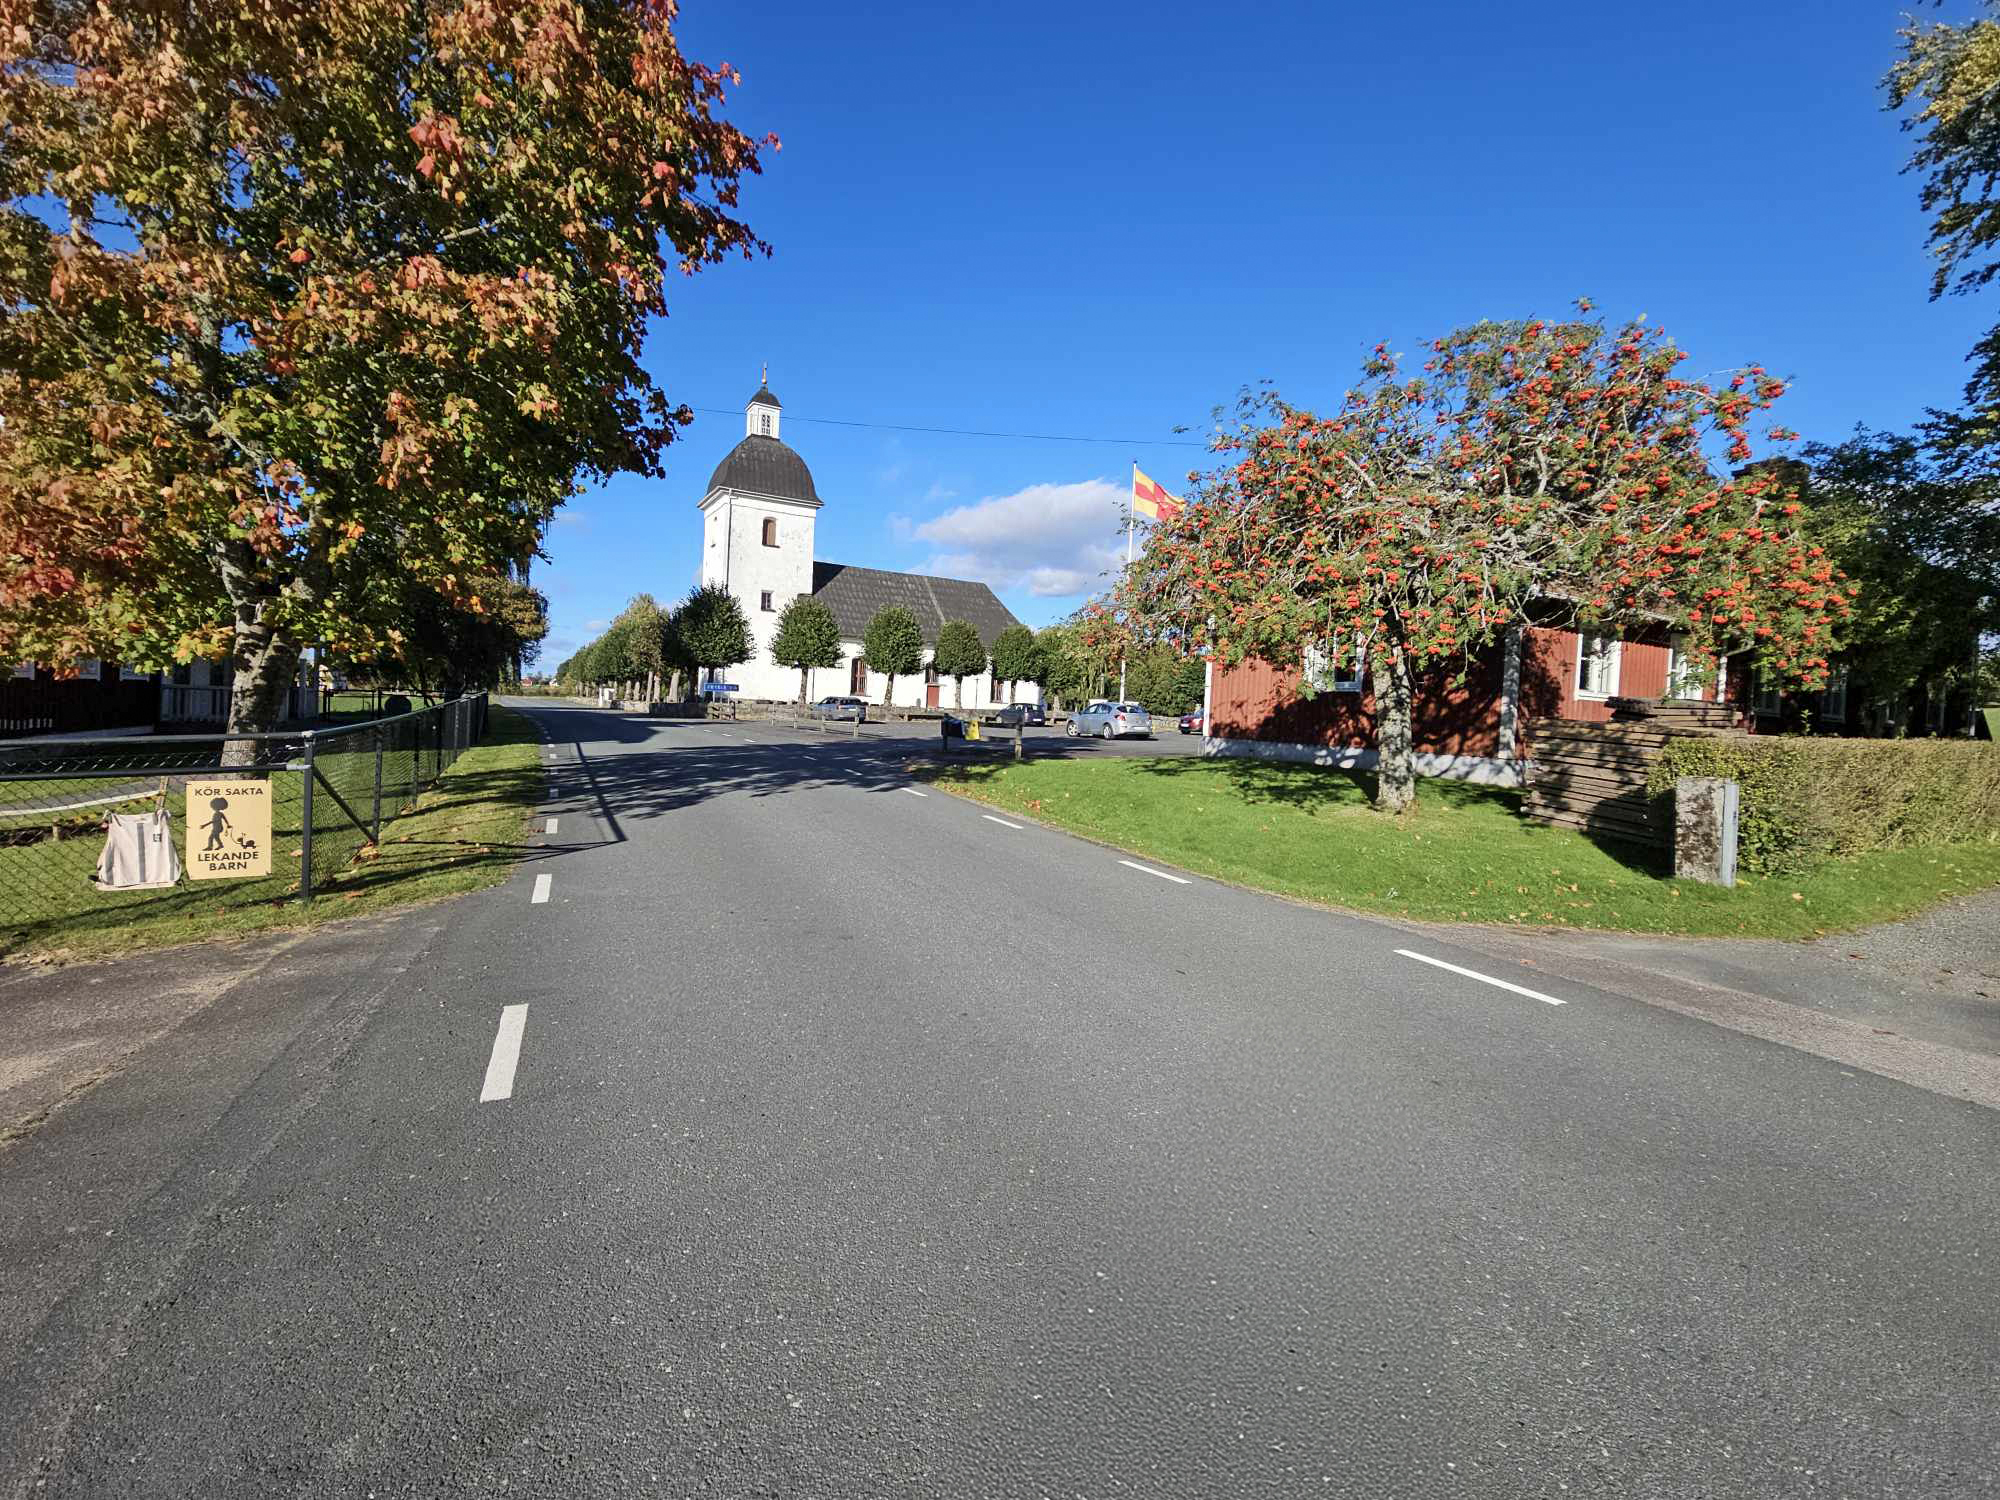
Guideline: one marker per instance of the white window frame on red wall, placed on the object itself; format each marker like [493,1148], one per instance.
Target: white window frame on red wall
[1320,667]
[1614,657]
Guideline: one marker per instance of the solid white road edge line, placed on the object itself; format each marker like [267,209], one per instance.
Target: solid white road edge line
[1001,821]
[506,1055]
[913,791]
[1148,869]
[549,825]
[542,884]
[1438,963]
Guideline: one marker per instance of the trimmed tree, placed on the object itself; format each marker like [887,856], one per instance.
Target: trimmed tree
[310,304]
[1061,673]
[808,636]
[1015,657]
[1559,466]
[894,646]
[712,631]
[959,654]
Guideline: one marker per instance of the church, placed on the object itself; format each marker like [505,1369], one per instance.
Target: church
[757,522]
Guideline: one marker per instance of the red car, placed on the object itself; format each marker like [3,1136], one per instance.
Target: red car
[1192,723]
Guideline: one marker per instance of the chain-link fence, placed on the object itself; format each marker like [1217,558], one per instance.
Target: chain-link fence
[330,793]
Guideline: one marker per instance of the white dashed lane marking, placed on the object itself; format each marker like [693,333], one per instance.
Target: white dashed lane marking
[914,792]
[1149,870]
[506,1055]
[543,883]
[1499,984]
[1001,821]
[549,825]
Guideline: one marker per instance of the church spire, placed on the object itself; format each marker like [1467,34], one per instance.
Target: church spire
[760,417]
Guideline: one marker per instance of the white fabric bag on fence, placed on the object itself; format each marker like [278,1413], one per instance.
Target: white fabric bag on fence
[138,852]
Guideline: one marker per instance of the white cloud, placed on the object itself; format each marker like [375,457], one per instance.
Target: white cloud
[1053,540]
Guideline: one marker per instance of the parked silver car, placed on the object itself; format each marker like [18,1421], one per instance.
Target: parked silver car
[1109,720]
[841,708]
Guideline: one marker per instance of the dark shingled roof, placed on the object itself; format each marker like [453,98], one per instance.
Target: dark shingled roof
[856,594]
[765,466]
[764,395]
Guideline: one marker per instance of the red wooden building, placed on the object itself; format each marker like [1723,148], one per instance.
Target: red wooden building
[1473,721]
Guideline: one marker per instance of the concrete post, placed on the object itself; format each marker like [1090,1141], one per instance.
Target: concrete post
[1705,809]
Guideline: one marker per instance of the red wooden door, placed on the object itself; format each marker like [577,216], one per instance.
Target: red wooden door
[931,694]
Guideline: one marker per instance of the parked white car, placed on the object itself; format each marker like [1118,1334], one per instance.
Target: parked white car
[1107,720]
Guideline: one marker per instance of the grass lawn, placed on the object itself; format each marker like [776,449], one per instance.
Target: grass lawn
[1465,855]
[462,835]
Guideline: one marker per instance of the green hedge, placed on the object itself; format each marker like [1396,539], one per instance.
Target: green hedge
[1807,799]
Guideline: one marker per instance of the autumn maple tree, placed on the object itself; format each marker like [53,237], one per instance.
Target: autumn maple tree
[302,306]
[1561,468]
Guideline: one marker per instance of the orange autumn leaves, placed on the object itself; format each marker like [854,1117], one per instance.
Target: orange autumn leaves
[1567,468]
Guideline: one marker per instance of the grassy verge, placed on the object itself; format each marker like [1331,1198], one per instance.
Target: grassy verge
[1465,855]
[462,835]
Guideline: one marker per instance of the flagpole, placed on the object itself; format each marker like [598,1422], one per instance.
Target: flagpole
[1131,491]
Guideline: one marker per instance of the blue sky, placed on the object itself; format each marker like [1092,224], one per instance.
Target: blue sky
[1103,219]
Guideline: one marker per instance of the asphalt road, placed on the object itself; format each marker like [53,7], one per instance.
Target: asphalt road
[859,1143]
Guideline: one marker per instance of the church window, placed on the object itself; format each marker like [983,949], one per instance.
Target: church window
[764,423]
[770,531]
[764,602]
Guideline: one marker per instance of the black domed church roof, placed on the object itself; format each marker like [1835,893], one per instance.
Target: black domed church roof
[765,466]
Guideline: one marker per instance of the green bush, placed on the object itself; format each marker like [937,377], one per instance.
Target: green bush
[1809,799]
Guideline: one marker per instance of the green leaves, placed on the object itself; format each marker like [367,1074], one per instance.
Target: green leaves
[711,628]
[893,644]
[807,635]
[959,651]
[403,284]
[1016,658]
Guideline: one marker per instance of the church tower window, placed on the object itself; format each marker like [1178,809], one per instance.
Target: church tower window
[770,531]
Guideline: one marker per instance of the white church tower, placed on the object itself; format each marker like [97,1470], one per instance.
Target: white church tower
[757,537]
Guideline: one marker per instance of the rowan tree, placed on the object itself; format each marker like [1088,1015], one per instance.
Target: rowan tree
[893,645]
[1563,466]
[807,637]
[959,654]
[277,281]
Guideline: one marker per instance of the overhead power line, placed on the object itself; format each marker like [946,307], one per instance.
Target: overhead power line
[1026,437]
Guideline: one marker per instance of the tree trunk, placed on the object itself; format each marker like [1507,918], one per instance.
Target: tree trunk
[958,692]
[889,692]
[674,686]
[266,662]
[802,687]
[1396,773]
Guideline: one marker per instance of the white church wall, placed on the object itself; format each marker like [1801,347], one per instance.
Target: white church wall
[980,691]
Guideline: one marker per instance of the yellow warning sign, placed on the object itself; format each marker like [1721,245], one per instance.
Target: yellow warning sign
[228,829]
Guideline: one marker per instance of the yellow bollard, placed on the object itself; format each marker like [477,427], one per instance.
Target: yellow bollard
[972,729]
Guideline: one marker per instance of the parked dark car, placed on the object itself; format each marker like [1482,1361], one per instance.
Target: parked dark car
[1191,723]
[841,708]
[1021,713]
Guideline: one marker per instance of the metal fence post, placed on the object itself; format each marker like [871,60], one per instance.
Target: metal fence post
[306,817]
[377,737]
